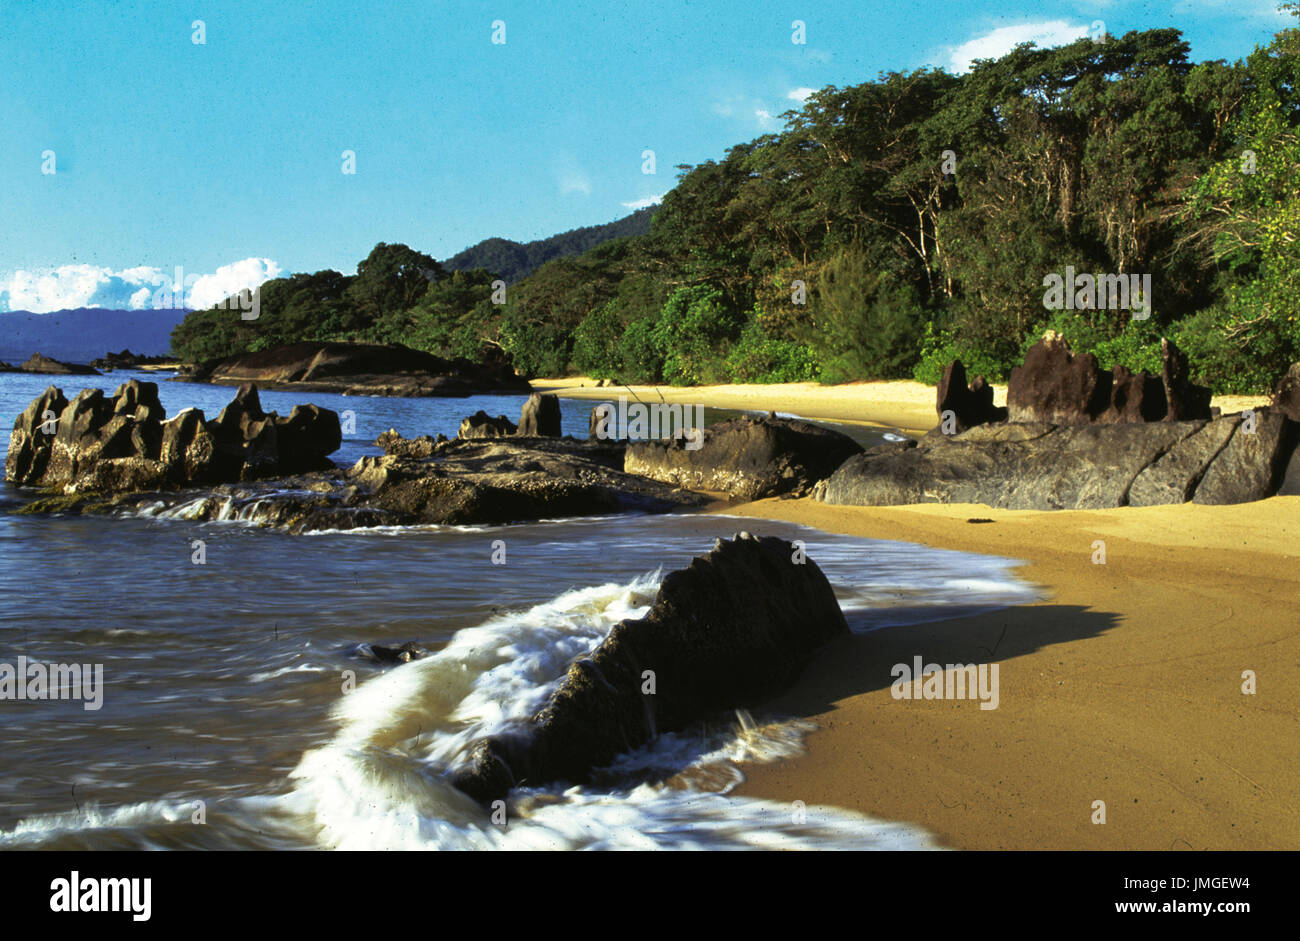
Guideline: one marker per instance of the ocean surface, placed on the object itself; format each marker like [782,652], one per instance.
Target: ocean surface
[237,711]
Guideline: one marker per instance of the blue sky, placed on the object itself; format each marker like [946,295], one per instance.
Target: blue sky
[225,158]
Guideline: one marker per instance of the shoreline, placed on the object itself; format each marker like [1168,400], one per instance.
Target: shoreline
[901,404]
[1123,684]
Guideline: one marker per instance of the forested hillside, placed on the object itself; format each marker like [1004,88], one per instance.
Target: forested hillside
[512,261]
[894,225]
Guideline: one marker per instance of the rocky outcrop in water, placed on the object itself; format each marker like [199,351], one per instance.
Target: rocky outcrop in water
[360,369]
[419,481]
[1044,466]
[44,364]
[483,425]
[99,444]
[540,416]
[747,458]
[731,629]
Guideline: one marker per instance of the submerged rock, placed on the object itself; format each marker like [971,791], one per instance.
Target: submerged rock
[391,656]
[747,458]
[732,628]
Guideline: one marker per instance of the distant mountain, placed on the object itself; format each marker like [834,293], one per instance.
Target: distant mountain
[85,333]
[515,260]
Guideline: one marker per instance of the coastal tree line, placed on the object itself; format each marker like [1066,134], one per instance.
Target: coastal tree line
[894,225]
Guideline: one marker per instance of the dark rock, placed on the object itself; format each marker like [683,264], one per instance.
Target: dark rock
[971,405]
[599,422]
[125,444]
[128,360]
[747,458]
[1047,467]
[391,655]
[1251,464]
[483,425]
[1184,400]
[1133,397]
[1174,476]
[421,447]
[44,364]
[731,629]
[32,441]
[1053,385]
[540,416]
[1286,394]
[188,450]
[1057,386]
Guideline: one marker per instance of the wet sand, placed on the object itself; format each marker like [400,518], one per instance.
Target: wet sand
[1124,684]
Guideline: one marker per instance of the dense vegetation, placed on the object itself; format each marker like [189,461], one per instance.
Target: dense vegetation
[840,248]
[511,261]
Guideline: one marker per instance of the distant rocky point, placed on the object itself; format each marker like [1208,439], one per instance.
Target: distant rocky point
[44,364]
[359,369]
[128,360]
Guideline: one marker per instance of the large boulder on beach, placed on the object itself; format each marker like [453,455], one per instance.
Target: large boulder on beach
[746,458]
[1252,463]
[122,443]
[44,364]
[1042,466]
[729,630]
[540,416]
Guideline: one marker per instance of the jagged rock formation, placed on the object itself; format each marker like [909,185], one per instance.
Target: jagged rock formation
[483,425]
[124,443]
[1057,386]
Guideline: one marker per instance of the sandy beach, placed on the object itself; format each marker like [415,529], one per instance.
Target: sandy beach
[901,403]
[1124,684]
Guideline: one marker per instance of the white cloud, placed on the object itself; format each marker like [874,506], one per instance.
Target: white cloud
[643,203]
[800,94]
[136,288]
[764,116]
[575,183]
[1002,40]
